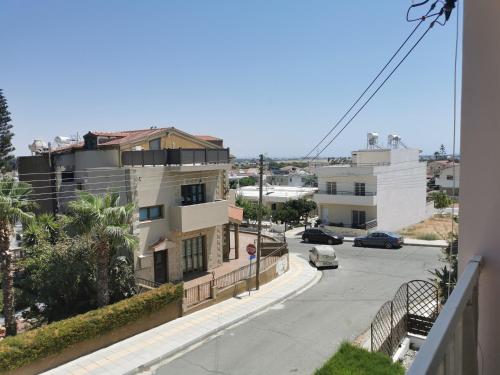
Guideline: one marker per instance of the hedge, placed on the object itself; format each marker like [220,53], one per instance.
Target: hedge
[25,348]
[351,360]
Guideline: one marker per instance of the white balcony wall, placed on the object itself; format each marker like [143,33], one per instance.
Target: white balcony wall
[198,216]
[480,173]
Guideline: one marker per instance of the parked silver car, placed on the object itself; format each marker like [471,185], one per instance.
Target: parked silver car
[323,256]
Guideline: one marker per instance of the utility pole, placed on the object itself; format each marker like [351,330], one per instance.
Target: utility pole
[259,222]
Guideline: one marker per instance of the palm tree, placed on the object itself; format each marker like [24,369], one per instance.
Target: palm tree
[107,224]
[46,227]
[14,207]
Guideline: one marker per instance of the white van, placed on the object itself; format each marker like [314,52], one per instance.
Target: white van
[323,256]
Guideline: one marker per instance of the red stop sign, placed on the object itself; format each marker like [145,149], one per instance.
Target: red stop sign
[251,249]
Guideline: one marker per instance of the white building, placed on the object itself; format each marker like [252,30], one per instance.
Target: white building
[448,179]
[383,188]
[275,196]
[297,178]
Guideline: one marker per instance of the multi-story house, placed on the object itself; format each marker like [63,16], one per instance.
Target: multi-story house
[448,178]
[381,187]
[177,182]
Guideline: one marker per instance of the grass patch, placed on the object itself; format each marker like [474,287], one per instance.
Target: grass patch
[28,347]
[351,360]
[428,236]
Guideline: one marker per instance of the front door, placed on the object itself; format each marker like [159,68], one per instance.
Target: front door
[160,266]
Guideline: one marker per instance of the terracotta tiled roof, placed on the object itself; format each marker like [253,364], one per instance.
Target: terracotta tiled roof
[208,138]
[132,136]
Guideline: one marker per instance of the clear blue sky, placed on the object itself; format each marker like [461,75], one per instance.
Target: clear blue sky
[266,76]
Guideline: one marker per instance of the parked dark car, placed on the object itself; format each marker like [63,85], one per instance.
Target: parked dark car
[380,239]
[322,235]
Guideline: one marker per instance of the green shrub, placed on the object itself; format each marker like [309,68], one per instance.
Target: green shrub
[428,236]
[351,360]
[28,347]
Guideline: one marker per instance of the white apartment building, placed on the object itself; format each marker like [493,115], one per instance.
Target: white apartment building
[448,179]
[382,188]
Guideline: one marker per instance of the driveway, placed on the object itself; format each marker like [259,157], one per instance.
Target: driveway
[297,336]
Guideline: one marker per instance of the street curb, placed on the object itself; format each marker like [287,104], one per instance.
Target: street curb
[147,365]
[405,243]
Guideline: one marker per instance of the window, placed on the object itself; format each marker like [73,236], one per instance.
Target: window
[449,177]
[193,254]
[68,176]
[273,206]
[359,188]
[193,194]
[150,213]
[155,144]
[331,188]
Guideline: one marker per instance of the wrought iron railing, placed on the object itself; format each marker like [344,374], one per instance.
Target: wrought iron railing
[413,309]
[202,292]
[451,346]
[146,283]
[180,156]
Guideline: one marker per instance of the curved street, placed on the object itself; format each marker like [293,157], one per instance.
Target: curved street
[298,335]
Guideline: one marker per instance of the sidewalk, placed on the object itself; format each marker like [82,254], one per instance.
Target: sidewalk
[145,349]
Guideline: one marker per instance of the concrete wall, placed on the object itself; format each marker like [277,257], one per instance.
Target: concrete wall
[96,159]
[480,173]
[401,195]
[35,170]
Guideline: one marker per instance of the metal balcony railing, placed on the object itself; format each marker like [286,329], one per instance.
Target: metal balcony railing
[451,346]
[179,156]
[353,193]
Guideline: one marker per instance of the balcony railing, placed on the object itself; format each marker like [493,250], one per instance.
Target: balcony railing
[359,194]
[451,346]
[180,156]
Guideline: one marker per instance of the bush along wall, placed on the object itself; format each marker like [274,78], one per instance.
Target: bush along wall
[28,347]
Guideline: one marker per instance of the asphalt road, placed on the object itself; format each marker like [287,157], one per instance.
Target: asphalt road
[297,336]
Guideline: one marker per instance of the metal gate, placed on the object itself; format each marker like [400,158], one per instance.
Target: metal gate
[413,309]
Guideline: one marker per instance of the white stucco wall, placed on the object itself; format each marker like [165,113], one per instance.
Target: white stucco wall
[442,180]
[401,195]
[480,174]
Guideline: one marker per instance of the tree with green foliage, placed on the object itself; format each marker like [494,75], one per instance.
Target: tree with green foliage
[46,227]
[248,181]
[15,206]
[286,215]
[251,209]
[441,200]
[61,277]
[446,276]
[6,148]
[107,224]
[303,207]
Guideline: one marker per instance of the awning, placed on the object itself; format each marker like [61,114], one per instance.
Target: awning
[235,214]
[162,244]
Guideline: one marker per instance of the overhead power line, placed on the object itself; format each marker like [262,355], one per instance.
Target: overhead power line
[431,25]
[422,20]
